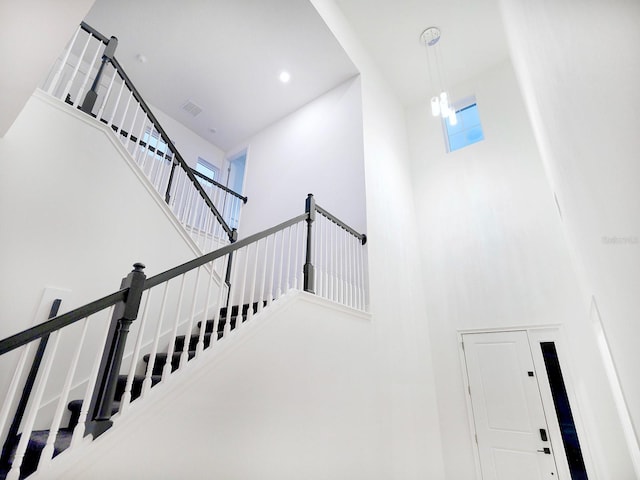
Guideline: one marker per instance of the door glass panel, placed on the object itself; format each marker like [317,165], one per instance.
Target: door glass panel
[563,411]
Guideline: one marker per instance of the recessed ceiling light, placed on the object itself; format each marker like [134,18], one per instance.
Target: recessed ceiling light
[141,58]
[285,76]
[212,130]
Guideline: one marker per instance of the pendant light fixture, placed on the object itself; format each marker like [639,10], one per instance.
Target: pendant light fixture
[440,102]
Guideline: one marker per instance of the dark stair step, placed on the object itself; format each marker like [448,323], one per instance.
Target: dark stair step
[193,341]
[221,323]
[161,359]
[37,442]
[136,387]
[245,309]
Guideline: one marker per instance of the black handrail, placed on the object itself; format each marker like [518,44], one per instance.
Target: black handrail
[38,331]
[89,29]
[219,185]
[177,160]
[61,321]
[360,236]
[221,252]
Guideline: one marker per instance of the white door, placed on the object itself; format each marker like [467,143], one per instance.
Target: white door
[511,428]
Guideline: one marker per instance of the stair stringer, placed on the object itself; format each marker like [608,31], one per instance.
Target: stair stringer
[293,393]
[130,162]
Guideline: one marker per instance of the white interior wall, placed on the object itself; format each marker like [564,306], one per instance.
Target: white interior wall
[414,449]
[32,34]
[495,256]
[317,149]
[293,395]
[579,66]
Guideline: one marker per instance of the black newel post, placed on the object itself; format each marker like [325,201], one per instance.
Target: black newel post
[308,269]
[123,315]
[92,95]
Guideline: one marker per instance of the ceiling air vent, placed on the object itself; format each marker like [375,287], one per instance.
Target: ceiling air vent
[191,108]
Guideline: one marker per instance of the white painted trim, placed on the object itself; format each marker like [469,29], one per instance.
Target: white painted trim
[124,154]
[617,392]
[470,417]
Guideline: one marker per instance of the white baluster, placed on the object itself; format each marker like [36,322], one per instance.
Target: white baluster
[145,150]
[342,257]
[325,256]
[178,191]
[117,105]
[280,262]
[252,291]
[124,116]
[263,278]
[352,270]
[185,199]
[106,96]
[148,383]
[47,452]
[243,284]
[319,245]
[363,290]
[208,228]
[65,58]
[163,177]
[16,381]
[331,257]
[166,371]
[131,135]
[184,358]
[203,322]
[36,401]
[138,148]
[79,98]
[72,78]
[288,269]
[297,268]
[272,273]
[78,431]
[126,396]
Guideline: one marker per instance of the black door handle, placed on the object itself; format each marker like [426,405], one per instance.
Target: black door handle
[545,450]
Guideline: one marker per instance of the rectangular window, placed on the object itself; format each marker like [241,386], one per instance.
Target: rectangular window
[207,169]
[467,130]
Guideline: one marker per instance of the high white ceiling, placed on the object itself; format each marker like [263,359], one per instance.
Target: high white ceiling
[226,55]
[472,39]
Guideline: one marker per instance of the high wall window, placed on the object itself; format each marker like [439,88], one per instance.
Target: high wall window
[468,129]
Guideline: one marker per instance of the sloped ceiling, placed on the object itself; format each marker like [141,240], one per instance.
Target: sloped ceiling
[225,56]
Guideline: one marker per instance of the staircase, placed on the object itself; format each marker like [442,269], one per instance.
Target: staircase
[38,438]
[188,307]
